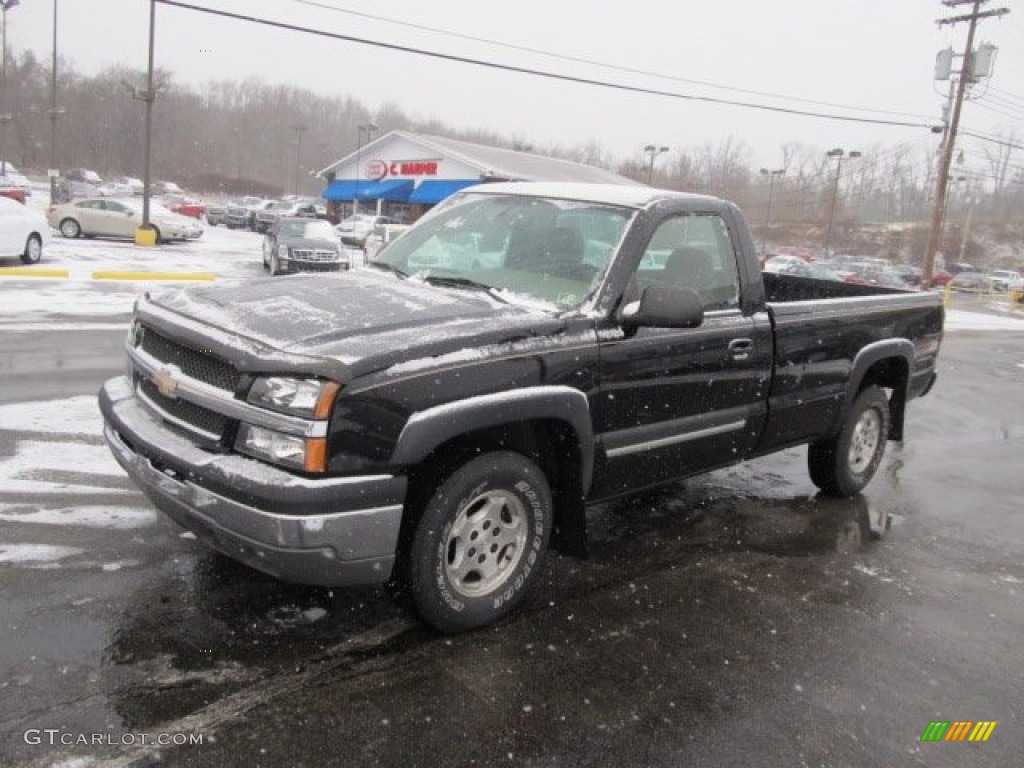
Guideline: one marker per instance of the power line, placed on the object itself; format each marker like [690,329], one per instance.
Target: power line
[992,140]
[593,62]
[538,72]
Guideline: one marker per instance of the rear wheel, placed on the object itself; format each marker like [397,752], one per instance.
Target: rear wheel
[70,228]
[33,250]
[480,540]
[844,464]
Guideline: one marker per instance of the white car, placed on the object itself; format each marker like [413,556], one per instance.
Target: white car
[107,217]
[359,226]
[10,177]
[23,231]
[1005,280]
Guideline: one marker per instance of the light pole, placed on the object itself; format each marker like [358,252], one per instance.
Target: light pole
[368,129]
[299,130]
[149,96]
[54,111]
[772,175]
[5,118]
[838,154]
[652,152]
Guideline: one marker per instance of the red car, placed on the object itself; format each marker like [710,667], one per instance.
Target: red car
[186,206]
[13,193]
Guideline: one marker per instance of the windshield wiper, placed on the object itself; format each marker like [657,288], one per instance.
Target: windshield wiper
[464,282]
[384,266]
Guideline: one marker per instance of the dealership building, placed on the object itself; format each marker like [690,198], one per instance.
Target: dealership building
[405,173]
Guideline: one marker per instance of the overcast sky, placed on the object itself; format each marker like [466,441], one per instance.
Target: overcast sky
[863,58]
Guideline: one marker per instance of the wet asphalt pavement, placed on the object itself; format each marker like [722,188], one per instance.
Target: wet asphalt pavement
[735,620]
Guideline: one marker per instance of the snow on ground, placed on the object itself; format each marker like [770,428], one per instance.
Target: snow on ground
[960,320]
[78,416]
[226,254]
[53,458]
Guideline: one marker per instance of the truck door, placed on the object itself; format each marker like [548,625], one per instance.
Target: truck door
[671,401]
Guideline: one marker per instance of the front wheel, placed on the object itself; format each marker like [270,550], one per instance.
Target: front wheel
[844,464]
[479,543]
[33,250]
[70,228]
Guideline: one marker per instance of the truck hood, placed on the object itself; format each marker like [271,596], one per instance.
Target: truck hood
[356,322]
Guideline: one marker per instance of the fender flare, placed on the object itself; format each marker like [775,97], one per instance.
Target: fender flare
[868,356]
[428,429]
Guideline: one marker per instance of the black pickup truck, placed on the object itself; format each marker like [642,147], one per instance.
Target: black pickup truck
[440,416]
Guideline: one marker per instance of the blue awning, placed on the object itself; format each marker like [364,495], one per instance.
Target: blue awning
[396,190]
[429,192]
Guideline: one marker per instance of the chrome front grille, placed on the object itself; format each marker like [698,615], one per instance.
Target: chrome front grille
[202,366]
[182,413]
[307,254]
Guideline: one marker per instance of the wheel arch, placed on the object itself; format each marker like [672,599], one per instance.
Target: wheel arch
[885,364]
[550,425]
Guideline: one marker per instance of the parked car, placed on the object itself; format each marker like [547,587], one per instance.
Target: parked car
[23,231]
[1004,279]
[165,188]
[77,183]
[136,187]
[970,281]
[437,428]
[382,235]
[358,226]
[216,213]
[241,213]
[10,178]
[107,217]
[186,206]
[302,244]
[271,214]
[814,269]
[113,189]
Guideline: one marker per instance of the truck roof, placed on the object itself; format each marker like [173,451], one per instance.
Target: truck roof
[638,196]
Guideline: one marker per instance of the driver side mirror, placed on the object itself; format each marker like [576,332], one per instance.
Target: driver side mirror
[664,306]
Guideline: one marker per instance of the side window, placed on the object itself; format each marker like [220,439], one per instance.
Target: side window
[693,251]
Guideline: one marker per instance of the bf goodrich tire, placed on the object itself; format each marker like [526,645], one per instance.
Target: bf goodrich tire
[844,464]
[479,542]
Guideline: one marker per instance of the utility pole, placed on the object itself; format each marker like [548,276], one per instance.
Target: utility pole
[299,130]
[935,232]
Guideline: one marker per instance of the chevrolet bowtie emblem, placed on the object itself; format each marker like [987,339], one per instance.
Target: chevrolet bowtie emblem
[166,381]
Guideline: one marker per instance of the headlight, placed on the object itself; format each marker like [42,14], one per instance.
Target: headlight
[282,251]
[299,397]
[308,454]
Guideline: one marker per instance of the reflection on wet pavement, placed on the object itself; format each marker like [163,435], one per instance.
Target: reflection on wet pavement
[210,628]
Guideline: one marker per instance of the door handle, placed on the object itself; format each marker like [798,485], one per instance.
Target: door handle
[741,349]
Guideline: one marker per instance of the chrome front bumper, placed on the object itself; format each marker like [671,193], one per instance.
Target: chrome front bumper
[330,532]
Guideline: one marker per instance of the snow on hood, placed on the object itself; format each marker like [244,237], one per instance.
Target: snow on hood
[364,320]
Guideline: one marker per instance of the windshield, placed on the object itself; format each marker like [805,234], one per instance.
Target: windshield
[311,228]
[551,250]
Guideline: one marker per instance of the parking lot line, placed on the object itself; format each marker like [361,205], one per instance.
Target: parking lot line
[33,272]
[138,275]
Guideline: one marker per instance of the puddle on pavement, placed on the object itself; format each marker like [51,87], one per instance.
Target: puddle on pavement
[208,627]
